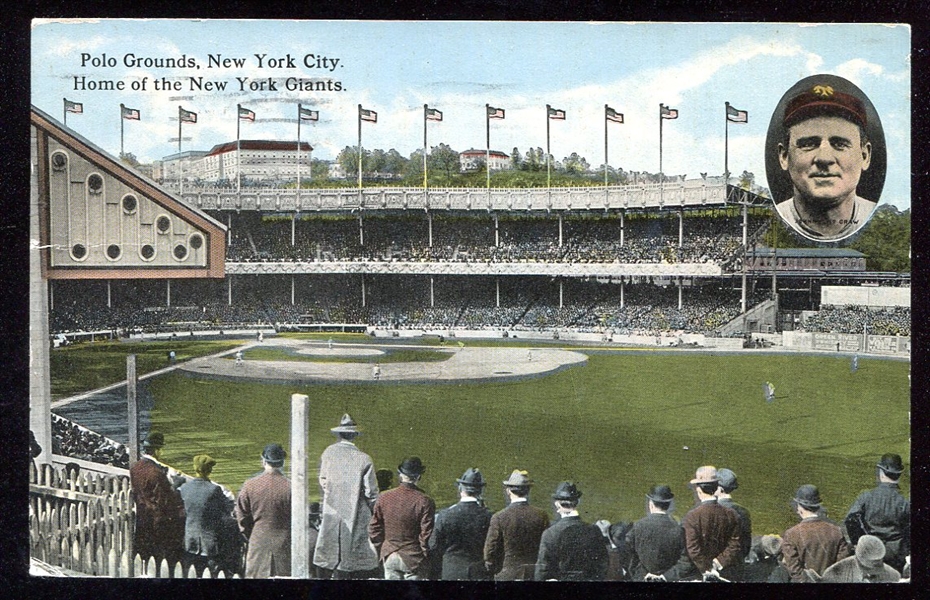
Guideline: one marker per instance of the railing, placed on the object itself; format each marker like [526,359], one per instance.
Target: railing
[84,523]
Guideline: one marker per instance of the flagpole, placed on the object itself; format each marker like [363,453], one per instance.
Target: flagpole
[360,154]
[726,145]
[424,146]
[238,151]
[661,178]
[298,154]
[605,146]
[121,127]
[180,163]
[64,110]
[487,160]
[548,169]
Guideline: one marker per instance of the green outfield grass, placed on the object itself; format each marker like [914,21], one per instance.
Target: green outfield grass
[89,366]
[617,425]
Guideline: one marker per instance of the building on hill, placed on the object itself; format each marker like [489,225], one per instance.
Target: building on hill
[470,160]
[256,160]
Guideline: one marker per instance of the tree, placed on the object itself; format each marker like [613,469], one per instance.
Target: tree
[575,164]
[886,240]
[516,160]
[746,180]
[348,160]
[443,158]
[394,163]
[130,159]
[319,169]
[376,162]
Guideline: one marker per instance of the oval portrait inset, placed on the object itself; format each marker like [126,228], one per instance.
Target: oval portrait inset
[825,158]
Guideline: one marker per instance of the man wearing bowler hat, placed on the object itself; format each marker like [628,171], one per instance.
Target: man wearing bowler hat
[711,530]
[160,517]
[350,488]
[512,545]
[867,565]
[657,540]
[457,543]
[571,550]
[816,542]
[886,514]
[263,511]
[824,151]
[402,523]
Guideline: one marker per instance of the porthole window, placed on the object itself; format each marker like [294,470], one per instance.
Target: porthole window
[163,224]
[79,251]
[147,252]
[129,204]
[59,161]
[180,252]
[196,241]
[113,251]
[95,184]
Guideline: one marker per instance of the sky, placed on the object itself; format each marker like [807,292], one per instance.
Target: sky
[394,68]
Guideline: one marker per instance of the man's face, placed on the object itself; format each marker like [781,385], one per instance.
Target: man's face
[825,158]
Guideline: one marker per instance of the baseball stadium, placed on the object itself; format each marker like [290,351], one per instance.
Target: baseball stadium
[617,337]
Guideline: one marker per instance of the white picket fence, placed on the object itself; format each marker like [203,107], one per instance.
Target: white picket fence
[85,524]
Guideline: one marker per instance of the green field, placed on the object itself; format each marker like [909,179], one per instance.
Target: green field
[615,426]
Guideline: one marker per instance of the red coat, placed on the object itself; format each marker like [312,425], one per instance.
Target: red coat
[712,531]
[159,511]
[263,510]
[403,522]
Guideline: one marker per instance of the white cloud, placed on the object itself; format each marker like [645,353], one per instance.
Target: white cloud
[857,69]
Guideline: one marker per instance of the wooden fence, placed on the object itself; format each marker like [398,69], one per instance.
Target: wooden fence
[84,523]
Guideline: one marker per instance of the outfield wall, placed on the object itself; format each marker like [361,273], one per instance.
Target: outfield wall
[847,342]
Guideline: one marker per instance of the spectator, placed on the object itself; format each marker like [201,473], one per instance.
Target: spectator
[210,535]
[385,479]
[656,541]
[884,512]
[347,478]
[816,542]
[315,517]
[263,511]
[159,529]
[726,485]
[512,545]
[866,566]
[402,524]
[571,550]
[457,543]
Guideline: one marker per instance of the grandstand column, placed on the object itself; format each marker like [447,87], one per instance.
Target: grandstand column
[300,516]
[429,223]
[622,219]
[229,229]
[361,231]
[497,291]
[51,295]
[293,229]
[292,289]
[622,288]
[560,231]
[679,294]
[168,295]
[229,290]
[40,394]
[132,408]
[109,295]
[432,296]
[745,255]
[681,227]
[561,292]
[497,236]
[363,290]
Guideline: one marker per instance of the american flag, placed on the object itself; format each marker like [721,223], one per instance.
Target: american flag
[131,114]
[74,107]
[433,115]
[309,115]
[367,115]
[737,116]
[246,114]
[186,116]
[495,113]
[614,116]
[556,114]
[668,113]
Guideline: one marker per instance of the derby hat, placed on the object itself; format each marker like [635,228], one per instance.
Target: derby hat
[660,493]
[870,552]
[346,425]
[567,491]
[472,478]
[274,455]
[411,467]
[706,474]
[155,439]
[727,479]
[518,479]
[891,464]
[823,101]
[808,496]
[204,463]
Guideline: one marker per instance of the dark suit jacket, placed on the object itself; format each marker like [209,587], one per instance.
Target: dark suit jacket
[159,511]
[402,522]
[512,545]
[656,542]
[209,517]
[572,550]
[457,543]
[814,543]
[745,525]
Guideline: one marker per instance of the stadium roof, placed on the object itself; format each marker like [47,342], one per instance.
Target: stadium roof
[809,252]
[271,145]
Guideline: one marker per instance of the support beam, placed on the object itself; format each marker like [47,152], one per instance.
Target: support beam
[293,230]
[300,515]
[679,294]
[681,228]
[622,225]
[229,290]
[561,292]
[560,230]
[133,408]
[168,290]
[497,291]
[361,231]
[363,290]
[293,285]
[432,294]
[622,287]
[429,223]
[497,235]
[110,295]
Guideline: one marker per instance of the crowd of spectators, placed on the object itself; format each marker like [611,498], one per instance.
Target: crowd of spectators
[858,319]
[645,239]
[73,440]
